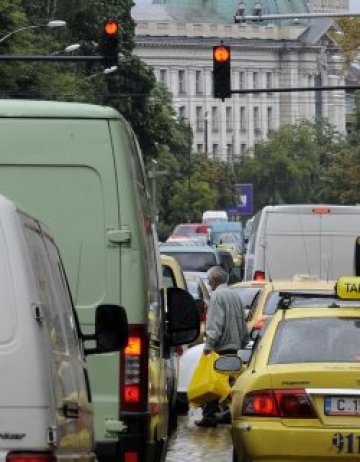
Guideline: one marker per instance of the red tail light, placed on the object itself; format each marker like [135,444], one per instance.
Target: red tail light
[203,312]
[259,276]
[288,404]
[30,457]
[134,371]
[179,350]
[259,324]
[131,457]
[260,403]
[321,211]
[294,404]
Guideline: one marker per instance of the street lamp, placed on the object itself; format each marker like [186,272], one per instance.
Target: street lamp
[51,24]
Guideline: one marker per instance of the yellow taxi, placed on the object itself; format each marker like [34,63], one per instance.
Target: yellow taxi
[299,398]
[267,301]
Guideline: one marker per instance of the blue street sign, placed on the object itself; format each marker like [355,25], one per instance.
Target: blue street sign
[244,203]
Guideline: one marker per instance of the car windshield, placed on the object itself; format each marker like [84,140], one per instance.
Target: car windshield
[194,261]
[316,340]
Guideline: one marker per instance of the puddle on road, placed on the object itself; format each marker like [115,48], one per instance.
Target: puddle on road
[194,444]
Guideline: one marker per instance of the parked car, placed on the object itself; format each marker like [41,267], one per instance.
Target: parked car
[45,400]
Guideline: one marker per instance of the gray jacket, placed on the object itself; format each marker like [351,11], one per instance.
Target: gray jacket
[225,324]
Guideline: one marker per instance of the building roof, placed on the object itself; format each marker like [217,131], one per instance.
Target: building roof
[225,9]
[172,13]
[317,28]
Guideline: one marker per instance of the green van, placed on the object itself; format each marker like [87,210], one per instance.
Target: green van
[79,169]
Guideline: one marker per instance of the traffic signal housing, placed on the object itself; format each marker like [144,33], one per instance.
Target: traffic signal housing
[222,71]
[110,42]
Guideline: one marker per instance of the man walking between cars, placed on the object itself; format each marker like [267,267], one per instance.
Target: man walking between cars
[226,330]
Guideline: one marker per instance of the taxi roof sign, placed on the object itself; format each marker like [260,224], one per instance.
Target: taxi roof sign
[348,288]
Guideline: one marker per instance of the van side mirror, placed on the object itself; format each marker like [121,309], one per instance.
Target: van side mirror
[111,330]
[183,320]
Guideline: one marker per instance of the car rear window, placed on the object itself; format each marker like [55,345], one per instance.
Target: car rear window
[316,340]
[194,261]
[305,300]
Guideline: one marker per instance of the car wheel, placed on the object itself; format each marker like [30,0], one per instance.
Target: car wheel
[182,406]
[235,457]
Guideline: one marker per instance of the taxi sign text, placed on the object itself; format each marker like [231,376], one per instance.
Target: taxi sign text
[348,288]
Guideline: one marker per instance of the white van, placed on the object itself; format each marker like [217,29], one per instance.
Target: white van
[45,400]
[303,239]
[209,217]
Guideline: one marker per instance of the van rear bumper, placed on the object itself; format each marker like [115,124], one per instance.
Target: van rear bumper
[135,439]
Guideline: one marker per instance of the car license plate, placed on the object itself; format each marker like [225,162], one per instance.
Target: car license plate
[342,405]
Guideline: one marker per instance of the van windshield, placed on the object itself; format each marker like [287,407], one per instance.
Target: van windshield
[194,261]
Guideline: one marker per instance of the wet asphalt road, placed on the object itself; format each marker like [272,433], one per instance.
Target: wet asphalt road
[191,443]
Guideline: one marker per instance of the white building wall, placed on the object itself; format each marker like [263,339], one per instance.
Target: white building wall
[289,66]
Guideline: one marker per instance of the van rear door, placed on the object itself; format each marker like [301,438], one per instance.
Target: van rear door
[68,180]
[292,244]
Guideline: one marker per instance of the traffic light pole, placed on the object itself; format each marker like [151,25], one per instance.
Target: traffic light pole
[295,89]
[52,58]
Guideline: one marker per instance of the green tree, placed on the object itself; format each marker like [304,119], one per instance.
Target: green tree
[292,165]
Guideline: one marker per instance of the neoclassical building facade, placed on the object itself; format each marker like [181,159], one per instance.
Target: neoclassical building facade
[263,57]
[329,6]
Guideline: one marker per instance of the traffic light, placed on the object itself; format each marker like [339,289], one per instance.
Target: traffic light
[110,42]
[222,71]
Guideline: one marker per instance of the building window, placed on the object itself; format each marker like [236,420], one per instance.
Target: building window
[242,80]
[243,149]
[256,120]
[270,125]
[163,76]
[229,121]
[229,152]
[198,82]
[215,118]
[269,81]
[181,82]
[255,80]
[215,150]
[199,119]
[182,112]
[243,118]
[199,148]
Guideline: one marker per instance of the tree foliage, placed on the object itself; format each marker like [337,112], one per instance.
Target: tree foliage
[292,165]
[348,38]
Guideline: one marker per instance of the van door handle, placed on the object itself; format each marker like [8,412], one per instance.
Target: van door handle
[118,236]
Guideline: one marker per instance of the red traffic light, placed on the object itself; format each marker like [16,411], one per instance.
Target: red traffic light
[111,28]
[221,54]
